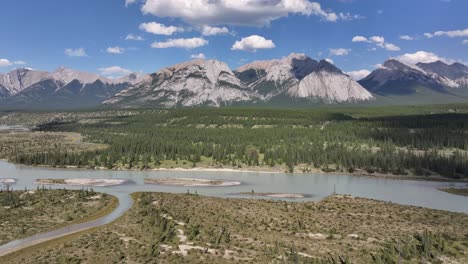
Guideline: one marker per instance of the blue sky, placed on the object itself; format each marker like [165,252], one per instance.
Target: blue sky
[91,35]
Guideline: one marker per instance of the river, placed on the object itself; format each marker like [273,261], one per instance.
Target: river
[314,186]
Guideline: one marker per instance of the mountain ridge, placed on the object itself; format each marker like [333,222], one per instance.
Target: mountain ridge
[290,80]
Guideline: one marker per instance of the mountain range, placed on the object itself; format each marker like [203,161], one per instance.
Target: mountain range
[64,88]
[292,80]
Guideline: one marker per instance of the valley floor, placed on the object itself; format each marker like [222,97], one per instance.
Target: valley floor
[12,143]
[184,228]
[28,212]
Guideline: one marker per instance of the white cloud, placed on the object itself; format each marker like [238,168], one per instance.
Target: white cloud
[406,37]
[450,34]
[211,31]
[428,35]
[349,17]
[359,39]
[160,29]
[465,41]
[391,47]
[187,43]
[358,75]
[339,52]
[253,43]
[133,37]
[115,50]
[379,41]
[5,63]
[236,12]
[129,2]
[330,60]
[198,56]
[420,56]
[80,52]
[114,71]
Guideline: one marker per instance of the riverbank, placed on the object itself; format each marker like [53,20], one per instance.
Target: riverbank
[457,191]
[299,170]
[260,231]
[26,213]
[274,195]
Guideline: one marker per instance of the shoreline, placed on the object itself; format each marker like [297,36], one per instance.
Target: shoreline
[31,245]
[260,170]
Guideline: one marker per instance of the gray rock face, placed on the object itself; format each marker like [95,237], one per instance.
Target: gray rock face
[63,88]
[193,83]
[298,76]
[456,72]
[210,82]
[396,77]
[20,79]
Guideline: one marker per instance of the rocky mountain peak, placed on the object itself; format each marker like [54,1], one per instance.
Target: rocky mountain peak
[66,75]
[325,65]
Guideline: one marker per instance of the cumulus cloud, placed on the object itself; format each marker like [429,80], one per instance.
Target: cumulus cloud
[391,47]
[211,31]
[115,50]
[428,35]
[160,29]
[406,37]
[450,34]
[133,37]
[80,52]
[237,12]
[5,63]
[129,2]
[420,56]
[339,52]
[187,43]
[114,71]
[198,56]
[253,43]
[379,41]
[359,39]
[358,75]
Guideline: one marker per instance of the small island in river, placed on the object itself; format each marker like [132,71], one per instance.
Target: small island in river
[276,195]
[191,182]
[82,182]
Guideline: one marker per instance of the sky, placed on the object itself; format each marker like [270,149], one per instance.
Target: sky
[116,37]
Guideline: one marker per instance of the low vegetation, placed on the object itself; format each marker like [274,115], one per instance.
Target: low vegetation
[187,228]
[415,141]
[457,191]
[28,212]
[15,144]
